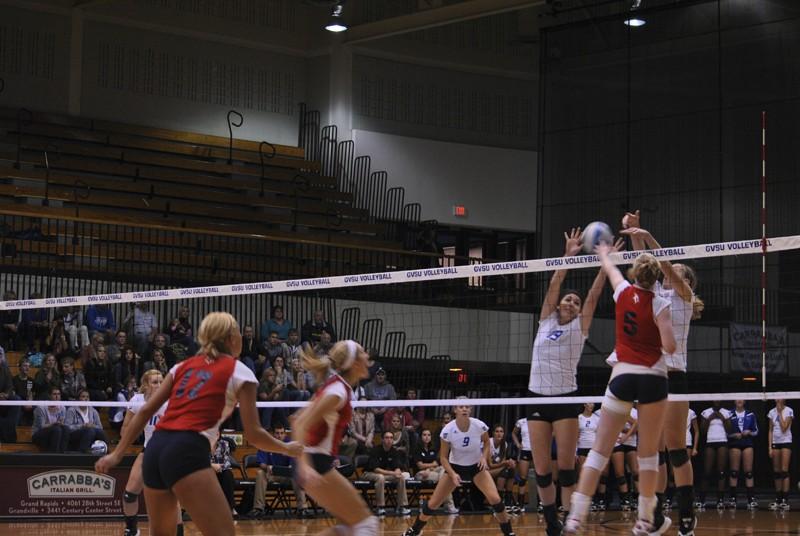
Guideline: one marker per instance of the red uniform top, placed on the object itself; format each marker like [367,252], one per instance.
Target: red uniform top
[204,394]
[638,338]
[325,437]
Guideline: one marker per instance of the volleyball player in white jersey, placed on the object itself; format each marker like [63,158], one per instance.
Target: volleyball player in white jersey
[522,439]
[678,287]
[563,327]
[715,426]
[587,429]
[780,450]
[464,453]
[151,381]
[502,466]
[692,433]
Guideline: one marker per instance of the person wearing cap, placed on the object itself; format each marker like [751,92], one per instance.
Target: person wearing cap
[380,389]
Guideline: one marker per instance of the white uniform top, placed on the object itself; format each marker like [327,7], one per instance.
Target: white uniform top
[495,451]
[465,447]
[524,433]
[681,317]
[556,352]
[587,428]
[716,428]
[691,416]
[136,404]
[633,440]
[778,437]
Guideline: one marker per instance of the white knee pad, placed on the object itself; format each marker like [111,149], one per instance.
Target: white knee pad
[367,527]
[596,461]
[615,405]
[649,463]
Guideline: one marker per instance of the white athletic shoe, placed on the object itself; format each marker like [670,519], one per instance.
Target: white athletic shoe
[572,527]
[642,528]
[665,525]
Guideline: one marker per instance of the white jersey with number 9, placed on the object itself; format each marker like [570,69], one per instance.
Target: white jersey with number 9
[466,448]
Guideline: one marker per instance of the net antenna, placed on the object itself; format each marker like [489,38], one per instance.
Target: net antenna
[764,251]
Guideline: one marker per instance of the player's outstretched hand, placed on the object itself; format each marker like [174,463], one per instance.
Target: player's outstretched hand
[602,249]
[573,242]
[619,245]
[631,220]
[107,462]
[294,449]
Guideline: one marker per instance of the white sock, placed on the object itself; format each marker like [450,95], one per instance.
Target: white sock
[579,506]
[647,507]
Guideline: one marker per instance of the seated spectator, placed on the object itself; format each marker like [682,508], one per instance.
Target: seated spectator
[300,377]
[9,324]
[289,391]
[273,467]
[99,376]
[250,349]
[380,389]
[401,440]
[425,461]
[9,415]
[446,418]
[221,464]
[180,329]
[130,366]
[412,417]
[312,330]
[62,349]
[417,412]
[143,326]
[100,319]
[387,464]
[372,365]
[270,391]
[84,425]
[72,381]
[49,431]
[363,429]
[73,323]
[115,348]
[117,415]
[158,362]
[274,348]
[23,387]
[277,323]
[35,327]
[293,344]
[90,352]
[160,343]
[47,377]
[324,345]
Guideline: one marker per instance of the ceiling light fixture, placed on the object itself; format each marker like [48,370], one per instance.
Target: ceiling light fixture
[635,22]
[337,23]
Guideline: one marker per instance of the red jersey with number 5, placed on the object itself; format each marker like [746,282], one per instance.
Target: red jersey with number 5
[638,339]
[204,394]
[325,437]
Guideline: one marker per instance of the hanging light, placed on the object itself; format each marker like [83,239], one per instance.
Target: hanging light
[635,22]
[336,23]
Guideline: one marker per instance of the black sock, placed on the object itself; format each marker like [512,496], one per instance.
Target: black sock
[179,530]
[550,513]
[685,500]
[506,528]
[131,522]
[418,525]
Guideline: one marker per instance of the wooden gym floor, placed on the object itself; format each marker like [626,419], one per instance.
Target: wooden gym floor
[712,523]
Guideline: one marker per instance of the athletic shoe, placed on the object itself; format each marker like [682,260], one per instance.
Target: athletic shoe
[411,532]
[720,504]
[554,529]
[601,505]
[642,528]
[593,507]
[667,506]
[561,509]
[687,525]
[572,527]
[625,504]
[731,502]
[380,512]
[131,533]
[785,504]
[539,509]
[665,524]
[752,504]
[452,510]
[403,511]
[255,513]
[775,505]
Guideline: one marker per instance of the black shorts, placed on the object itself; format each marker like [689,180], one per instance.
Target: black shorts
[526,456]
[506,473]
[624,448]
[583,452]
[172,455]
[553,412]
[466,472]
[678,382]
[644,388]
[322,463]
[717,445]
[777,446]
[741,444]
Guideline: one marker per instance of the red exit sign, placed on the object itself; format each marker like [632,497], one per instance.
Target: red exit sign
[459,211]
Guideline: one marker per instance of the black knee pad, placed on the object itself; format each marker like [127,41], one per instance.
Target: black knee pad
[734,475]
[426,509]
[129,497]
[722,475]
[544,481]
[499,507]
[523,482]
[662,457]
[678,457]
[783,474]
[748,475]
[568,477]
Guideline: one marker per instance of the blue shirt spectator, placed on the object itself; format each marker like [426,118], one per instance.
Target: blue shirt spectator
[99,318]
[277,323]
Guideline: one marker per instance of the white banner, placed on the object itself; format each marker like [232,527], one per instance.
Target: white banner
[745,341]
[720,249]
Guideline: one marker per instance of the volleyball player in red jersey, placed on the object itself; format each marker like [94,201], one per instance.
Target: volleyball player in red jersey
[320,427]
[202,392]
[643,333]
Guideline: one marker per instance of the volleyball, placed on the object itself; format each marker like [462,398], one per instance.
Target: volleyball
[594,233]
[99,448]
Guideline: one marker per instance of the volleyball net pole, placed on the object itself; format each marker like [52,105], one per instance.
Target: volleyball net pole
[764,251]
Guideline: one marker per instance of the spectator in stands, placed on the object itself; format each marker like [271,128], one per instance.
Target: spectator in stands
[274,467]
[130,366]
[362,428]
[72,381]
[9,324]
[9,415]
[312,330]
[84,425]
[143,326]
[274,348]
[446,418]
[100,376]
[270,391]
[380,389]
[250,348]
[57,332]
[47,378]
[23,387]
[387,464]
[301,377]
[115,348]
[372,365]
[62,349]
[293,344]
[324,345]
[157,361]
[73,323]
[403,415]
[160,343]
[35,327]
[49,431]
[221,464]
[100,319]
[117,415]
[425,461]
[277,323]
[412,417]
[400,434]
[180,329]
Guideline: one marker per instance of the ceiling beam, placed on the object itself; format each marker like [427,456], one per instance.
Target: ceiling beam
[431,18]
